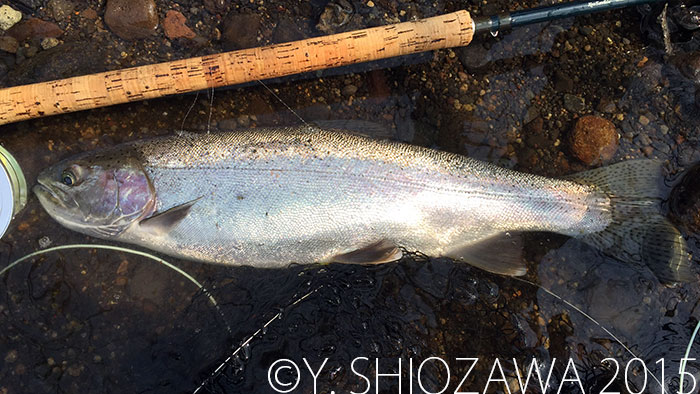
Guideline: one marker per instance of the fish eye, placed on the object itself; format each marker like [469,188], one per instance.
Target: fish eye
[68,178]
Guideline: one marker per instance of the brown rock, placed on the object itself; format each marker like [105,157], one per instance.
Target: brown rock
[594,140]
[89,13]
[174,26]
[8,44]
[131,19]
[240,31]
[34,28]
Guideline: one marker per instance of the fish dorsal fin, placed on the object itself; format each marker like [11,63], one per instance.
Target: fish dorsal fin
[383,251]
[161,223]
[500,254]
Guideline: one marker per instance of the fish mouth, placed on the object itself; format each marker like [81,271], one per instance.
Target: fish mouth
[48,196]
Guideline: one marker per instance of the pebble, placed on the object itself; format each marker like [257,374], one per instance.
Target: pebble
[89,13]
[606,105]
[643,120]
[60,9]
[335,15]
[34,28]
[562,82]
[240,31]
[74,370]
[175,27]
[45,242]
[49,42]
[349,90]
[11,356]
[8,44]
[9,17]
[131,19]
[574,103]
[215,6]
[594,140]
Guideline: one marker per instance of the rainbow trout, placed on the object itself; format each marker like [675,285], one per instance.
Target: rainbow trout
[272,197]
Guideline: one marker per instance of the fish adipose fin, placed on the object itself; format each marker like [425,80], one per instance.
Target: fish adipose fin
[383,251]
[638,231]
[501,254]
[162,223]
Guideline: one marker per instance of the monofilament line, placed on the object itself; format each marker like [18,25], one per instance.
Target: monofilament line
[587,316]
[283,103]
[125,250]
[250,338]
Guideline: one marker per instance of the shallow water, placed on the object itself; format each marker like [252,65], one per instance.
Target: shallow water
[103,321]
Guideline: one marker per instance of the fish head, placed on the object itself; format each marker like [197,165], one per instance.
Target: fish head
[99,194]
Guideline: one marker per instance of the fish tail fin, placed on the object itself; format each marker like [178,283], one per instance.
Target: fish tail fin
[638,231]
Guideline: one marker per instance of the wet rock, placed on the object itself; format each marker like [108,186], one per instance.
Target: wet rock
[8,44]
[49,42]
[89,13]
[34,28]
[240,31]
[4,68]
[684,204]
[562,82]
[473,56]
[215,6]
[174,26]
[531,114]
[63,61]
[337,14]
[60,9]
[131,19]
[349,90]
[574,103]
[606,105]
[534,135]
[9,17]
[11,356]
[594,140]
[287,30]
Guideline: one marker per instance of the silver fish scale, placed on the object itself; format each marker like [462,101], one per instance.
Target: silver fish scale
[270,197]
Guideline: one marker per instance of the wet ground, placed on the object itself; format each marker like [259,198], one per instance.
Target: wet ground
[103,321]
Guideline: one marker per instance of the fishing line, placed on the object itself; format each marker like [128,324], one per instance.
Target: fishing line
[250,338]
[687,353]
[182,127]
[283,103]
[211,109]
[130,251]
[586,315]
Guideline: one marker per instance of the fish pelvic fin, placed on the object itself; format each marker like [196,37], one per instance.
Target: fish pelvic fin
[500,254]
[638,232]
[383,251]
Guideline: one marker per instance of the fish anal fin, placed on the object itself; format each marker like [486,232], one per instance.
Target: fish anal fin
[379,252]
[499,254]
[163,222]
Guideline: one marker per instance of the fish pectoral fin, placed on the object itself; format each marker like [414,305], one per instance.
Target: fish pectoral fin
[161,223]
[383,251]
[500,254]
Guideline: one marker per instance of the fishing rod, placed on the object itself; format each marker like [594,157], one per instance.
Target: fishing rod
[232,68]
[496,23]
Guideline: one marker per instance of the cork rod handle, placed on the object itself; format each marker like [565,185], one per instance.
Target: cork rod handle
[181,76]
